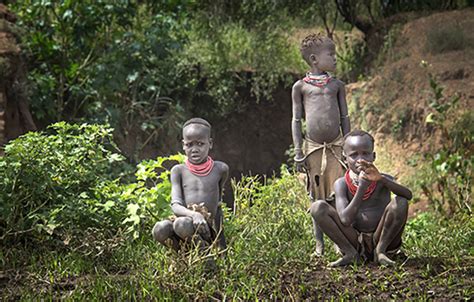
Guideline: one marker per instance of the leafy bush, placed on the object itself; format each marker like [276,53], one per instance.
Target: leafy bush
[68,182]
[448,181]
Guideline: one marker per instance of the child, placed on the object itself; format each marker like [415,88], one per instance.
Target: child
[365,216]
[196,190]
[322,98]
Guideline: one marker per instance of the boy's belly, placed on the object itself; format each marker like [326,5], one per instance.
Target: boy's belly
[210,200]
[323,122]
[367,220]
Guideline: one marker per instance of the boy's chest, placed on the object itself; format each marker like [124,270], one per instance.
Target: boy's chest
[191,182]
[312,91]
[378,201]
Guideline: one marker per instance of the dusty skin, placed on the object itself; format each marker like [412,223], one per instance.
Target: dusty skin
[190,193]
[325,112]
[378,217]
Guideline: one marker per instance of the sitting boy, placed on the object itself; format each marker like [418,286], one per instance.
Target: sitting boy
[196,190]
[365,216]
[321,98]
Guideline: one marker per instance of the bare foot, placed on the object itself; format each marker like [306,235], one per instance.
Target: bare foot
[319,248]
[382,259]
[337,249]
[345,260]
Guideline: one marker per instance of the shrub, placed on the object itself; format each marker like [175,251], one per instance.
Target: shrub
[446,38]
[67,183]
[448,180]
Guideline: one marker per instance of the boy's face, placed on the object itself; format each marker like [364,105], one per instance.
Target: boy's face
[196,143]
[325,59]
[357,148]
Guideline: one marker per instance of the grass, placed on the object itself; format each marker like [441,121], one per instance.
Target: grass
[269,257]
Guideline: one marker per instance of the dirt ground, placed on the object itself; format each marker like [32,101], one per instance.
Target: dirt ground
[429,278]
[426,278]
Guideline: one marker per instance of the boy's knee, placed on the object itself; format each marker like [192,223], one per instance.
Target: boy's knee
[162,231]
[399,205]
[319,208]
[183,227]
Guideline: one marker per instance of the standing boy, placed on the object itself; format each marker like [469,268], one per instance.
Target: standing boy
[196,190]
[366,221]
[322,99]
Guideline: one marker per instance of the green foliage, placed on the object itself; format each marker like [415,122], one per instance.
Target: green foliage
[387,52]
[149,198]
[350,54]
[429,235]
[47,179]
[446,38]
[63,40]
[68,183]
[448,182]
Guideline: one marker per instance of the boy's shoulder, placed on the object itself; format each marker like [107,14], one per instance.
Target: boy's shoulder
[338,82]
[178,168]
[298,84]
[340,182]
[222,166]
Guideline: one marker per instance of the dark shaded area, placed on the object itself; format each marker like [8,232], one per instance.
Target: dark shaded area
[15,116]
[254,141]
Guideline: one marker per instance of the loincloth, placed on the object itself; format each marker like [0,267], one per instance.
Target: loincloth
[324,165]
[367,245]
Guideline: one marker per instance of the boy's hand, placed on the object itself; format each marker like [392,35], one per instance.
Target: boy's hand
[198,220]
[369,171]
[363,181]
[300,163]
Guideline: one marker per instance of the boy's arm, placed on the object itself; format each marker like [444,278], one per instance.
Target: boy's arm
[219,215]
[348,210]
[178,205]
[371,173]
[223,179]
[341,98]
[297,100]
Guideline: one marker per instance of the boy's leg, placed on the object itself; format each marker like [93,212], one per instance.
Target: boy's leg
[344,237]
[388,235]
[183,227]
[318,234]
[163,233]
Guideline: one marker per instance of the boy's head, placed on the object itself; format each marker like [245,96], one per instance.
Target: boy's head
[319,51]
[358,145]
[197,140]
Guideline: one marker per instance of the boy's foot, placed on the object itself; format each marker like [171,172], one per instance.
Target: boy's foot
[319,249]
[382,259]
[337,250]
[345,260]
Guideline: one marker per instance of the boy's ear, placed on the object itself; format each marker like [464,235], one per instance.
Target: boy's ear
[375,156]
[314,58]
[211,142]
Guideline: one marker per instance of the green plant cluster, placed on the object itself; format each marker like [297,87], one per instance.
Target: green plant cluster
[449,179]
[68,182]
